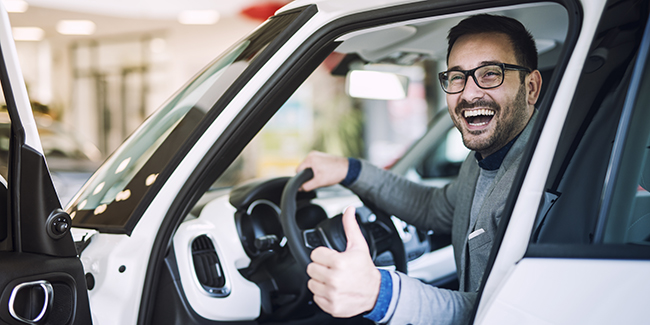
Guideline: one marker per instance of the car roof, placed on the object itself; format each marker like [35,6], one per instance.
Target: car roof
[427,38]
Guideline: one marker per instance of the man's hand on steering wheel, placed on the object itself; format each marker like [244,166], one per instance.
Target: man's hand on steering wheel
[344,279]
[345,283]
[328,170]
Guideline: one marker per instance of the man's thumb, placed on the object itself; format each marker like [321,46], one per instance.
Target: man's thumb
[352,231]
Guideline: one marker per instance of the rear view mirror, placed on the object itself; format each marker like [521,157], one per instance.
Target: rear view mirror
[376,85]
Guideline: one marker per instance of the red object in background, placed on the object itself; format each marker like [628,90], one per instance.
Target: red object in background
[263,10]
[333,60]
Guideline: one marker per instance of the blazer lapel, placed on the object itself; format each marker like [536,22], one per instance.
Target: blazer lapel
[462,217]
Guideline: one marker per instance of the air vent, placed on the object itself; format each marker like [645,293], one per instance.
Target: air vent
[208,268]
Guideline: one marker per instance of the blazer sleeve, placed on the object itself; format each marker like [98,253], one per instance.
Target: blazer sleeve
[425,207]
[417,303]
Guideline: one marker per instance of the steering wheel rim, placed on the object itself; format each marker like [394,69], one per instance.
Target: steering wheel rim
[294,234]
[288,209]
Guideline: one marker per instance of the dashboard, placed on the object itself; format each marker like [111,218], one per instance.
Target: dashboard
[256,276]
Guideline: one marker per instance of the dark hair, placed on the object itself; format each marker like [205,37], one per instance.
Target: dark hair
[521,39]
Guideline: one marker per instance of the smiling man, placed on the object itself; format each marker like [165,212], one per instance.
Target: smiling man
[492,86]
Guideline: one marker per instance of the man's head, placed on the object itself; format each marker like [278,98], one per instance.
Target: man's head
[494,111]
[520,39]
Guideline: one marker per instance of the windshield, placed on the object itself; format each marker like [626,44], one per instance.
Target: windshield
[108,200]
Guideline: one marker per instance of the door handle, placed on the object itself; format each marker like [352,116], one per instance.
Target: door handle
[48,293]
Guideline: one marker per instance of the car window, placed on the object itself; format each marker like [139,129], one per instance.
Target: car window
[114,191]
[444,160]
[321,116]
[595,192]
[626,219]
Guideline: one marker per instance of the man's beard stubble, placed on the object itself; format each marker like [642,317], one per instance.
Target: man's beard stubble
[503,131]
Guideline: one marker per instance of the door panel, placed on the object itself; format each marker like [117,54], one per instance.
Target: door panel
[23,278]
[573,291]
[41,280]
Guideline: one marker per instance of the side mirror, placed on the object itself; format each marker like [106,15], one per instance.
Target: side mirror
[376,85]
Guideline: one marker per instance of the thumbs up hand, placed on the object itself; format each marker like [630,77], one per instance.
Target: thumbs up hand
[346,283]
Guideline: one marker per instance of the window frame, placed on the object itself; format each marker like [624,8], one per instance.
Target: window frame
[633,107]
[598,249]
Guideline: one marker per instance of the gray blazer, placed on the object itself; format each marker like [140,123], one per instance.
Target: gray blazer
[444,210]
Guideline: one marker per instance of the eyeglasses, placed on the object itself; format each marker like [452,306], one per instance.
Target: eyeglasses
[486,77]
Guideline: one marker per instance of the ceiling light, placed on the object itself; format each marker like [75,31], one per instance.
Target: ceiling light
[99,188]
[122,166]
[198,17]
[28,33]
[75,27]
[100,209]
[150,179]
[15,5]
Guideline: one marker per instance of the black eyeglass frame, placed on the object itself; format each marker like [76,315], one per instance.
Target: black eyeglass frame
[504,67]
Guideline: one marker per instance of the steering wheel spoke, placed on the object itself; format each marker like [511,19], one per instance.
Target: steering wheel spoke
[315,237]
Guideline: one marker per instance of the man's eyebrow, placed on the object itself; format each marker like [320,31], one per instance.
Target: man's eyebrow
[458,68]
[490,62]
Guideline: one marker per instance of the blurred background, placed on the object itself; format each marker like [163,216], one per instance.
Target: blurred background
[95,70]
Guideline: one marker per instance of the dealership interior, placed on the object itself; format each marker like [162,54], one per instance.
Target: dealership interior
[95,71]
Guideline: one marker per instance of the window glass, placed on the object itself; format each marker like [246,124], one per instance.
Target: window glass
[116,188]
[594,193]
[444,159]
[321,116]
[628,215]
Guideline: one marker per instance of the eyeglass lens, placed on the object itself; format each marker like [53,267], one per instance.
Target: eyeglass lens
[488,76]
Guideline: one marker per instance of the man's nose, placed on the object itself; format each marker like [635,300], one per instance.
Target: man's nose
[472,91]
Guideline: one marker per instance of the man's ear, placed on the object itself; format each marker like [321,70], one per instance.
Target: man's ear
[533,87]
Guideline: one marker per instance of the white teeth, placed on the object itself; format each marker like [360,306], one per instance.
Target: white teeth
[477,112]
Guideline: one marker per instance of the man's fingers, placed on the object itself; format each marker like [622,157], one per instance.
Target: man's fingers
[352,231]
[344,284]
[317,288]
[328,170]
[309,185]
[303,165]
[323,303]
[318,272]
[323,256]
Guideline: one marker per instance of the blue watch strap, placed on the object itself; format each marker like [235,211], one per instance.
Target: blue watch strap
[354,169]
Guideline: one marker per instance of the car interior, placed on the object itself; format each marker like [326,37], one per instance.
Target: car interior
[253,205]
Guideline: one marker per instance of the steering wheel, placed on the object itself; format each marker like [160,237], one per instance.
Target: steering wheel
[330,232]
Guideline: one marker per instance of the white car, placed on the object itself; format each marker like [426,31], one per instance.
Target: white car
[156,243]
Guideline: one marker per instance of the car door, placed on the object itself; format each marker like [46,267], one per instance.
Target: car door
[588,253]
[41,278]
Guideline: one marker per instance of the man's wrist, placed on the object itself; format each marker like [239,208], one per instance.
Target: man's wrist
[354,169]
[383,298]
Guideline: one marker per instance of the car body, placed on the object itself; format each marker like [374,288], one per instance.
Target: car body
[156,242]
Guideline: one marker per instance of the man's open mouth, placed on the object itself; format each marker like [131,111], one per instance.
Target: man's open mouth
[478,117]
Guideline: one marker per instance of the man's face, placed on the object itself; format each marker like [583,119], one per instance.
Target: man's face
[488,118]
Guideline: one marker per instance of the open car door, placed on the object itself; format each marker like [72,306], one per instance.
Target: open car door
[41,278]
